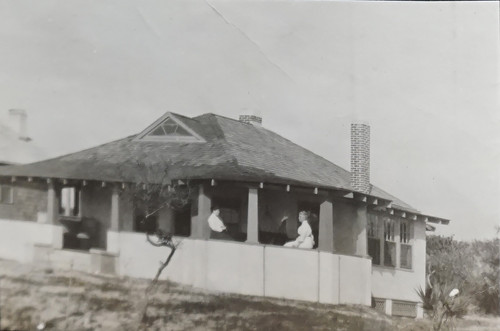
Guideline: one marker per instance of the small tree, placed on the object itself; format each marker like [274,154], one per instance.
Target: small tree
[153,190]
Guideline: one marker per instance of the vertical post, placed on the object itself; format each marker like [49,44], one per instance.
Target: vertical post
[325,233]
[388,307]
[360,224]
[53,214]
[66,196]
[115,210]
[253,216]
[397,236]
[52,210]
[199,224]
[381,235]
[113,237]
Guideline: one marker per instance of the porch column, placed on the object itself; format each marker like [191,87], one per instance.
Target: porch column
[359,227]
[52,211]
[253,216]
[67,200]
[52,216]
[115,210]
[325,233]
[199,224]
[113,239]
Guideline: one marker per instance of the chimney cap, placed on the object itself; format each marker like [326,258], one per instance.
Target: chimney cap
[251,119]
[360,122]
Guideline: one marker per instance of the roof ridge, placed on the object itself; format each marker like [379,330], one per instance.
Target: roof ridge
[226,146]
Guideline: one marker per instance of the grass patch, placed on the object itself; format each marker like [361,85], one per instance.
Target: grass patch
[109,304]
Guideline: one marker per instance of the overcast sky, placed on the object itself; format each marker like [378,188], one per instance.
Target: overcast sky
[424,75]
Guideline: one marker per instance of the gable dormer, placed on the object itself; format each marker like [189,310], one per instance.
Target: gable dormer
[169,128]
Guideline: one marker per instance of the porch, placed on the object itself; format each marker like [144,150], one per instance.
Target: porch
[92,215]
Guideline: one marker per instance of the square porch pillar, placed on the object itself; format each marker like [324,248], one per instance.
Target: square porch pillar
[52,204]
[253,216]
[112,242]
[199,223]
[359,230]
[53,214]
[115,210]
[325,233]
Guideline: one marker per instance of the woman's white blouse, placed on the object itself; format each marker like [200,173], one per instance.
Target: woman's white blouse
[304,231]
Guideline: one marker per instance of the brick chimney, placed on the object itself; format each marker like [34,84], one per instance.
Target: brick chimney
[360,157]
[251,119]
[17,121]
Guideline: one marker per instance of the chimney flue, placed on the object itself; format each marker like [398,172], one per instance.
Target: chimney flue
[17,119]
[360,157]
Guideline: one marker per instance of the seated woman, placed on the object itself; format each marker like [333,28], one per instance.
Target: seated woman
[218,229]
[305,238]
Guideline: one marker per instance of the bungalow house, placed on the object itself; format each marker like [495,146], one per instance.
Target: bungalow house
[370,245]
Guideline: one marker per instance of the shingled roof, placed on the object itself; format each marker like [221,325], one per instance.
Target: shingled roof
[229,150]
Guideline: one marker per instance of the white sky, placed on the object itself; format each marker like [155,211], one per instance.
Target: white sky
[425,76]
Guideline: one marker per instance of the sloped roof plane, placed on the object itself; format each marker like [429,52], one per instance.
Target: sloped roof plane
[218,148]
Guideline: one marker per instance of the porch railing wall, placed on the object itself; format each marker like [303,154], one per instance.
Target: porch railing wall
[253,269]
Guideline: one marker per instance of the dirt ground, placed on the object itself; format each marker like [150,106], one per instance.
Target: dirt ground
[68,300]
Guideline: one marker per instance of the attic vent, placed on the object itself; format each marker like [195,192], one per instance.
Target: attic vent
[169,129]
[251,119]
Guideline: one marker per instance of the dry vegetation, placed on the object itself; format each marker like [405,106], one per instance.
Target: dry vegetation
[69,300]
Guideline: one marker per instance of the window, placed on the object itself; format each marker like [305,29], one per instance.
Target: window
[404,232]
[6,194]
[406,251]
[70,201]
[389,243]
[373,239]
[396,237]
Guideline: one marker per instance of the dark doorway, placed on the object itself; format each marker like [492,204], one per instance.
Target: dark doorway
[182,220]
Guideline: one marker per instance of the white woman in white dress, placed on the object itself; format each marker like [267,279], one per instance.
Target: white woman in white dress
[305,238]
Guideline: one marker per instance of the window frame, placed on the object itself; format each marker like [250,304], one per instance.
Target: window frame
[406,240]
[373,235]
[390,240]
[393,233]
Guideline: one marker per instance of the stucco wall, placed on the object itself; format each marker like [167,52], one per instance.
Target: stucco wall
[252,269]
[17,239]
[400,284]
[96,204]
[28,201]
[344,216]
[291,273]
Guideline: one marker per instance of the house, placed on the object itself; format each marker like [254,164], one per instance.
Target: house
[370,245]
